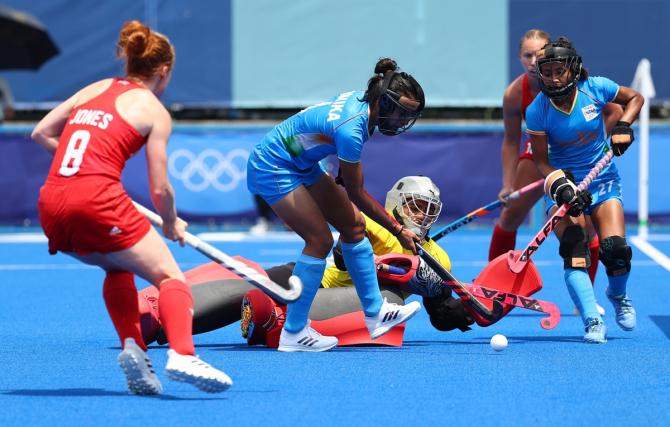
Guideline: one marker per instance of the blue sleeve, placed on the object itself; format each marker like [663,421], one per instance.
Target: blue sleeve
[605,88]
[535,120]
[349,138]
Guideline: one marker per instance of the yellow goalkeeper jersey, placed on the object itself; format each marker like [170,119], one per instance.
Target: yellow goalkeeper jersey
[383,242]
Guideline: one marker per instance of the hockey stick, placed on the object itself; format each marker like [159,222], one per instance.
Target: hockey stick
[529,303]
[507,298]
[517,263]
[492,315]
[283,294]
[484,210]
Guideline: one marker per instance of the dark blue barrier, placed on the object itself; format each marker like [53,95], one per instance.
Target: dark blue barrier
[207,169]
[23,168]
[464,165]
[87,33]
[605,50]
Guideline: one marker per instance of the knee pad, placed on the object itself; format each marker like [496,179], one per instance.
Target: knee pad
[262,319]
[574,248]
[615,255]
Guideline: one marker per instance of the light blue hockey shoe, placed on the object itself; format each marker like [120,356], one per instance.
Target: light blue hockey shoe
[596,331]
[624,311]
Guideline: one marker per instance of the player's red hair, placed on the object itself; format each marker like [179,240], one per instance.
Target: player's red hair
[144,50]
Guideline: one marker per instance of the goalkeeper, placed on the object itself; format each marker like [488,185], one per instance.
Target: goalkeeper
[415,202]
[218,293]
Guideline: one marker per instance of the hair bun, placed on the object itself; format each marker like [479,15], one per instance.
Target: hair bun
[134,39]
[384,65]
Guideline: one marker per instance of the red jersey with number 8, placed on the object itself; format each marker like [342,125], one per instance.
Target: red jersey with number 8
[96,140]
[83,206]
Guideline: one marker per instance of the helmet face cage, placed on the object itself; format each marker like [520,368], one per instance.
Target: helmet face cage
[418,212]
[415,202]
[559,55]
[389,122]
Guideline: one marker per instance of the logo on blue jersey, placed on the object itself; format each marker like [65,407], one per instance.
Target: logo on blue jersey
[590,112]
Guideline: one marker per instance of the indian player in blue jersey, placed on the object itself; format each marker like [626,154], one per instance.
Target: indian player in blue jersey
[284,170]
[566,127]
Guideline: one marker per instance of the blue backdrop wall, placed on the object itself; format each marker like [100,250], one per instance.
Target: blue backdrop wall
[206,166]
[267,53]
[610,35]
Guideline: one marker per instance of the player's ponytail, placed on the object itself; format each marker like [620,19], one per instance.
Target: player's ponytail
[384,65]
[376,82]
[385,89]
[145,51]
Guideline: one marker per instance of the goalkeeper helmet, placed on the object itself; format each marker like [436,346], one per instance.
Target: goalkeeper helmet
[415,202]
[555,53]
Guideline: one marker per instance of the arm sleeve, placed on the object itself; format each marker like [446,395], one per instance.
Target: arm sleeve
[606,89]
[535,122]
[349,138]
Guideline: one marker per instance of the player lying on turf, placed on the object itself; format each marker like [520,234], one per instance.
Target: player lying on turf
[218,293]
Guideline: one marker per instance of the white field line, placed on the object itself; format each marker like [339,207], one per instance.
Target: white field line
[659,257]
[81,266]
[281,236]
[23,238]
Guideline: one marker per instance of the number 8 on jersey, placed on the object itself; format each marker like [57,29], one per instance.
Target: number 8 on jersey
[74,153]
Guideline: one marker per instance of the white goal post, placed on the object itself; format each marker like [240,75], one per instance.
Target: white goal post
[643,83]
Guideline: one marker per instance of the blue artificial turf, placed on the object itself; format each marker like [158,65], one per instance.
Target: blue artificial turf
[58,358]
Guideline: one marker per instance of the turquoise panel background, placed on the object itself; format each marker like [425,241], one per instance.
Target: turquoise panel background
[295,53]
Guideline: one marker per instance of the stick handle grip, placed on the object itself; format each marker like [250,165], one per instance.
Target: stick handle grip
[517,264]
[532,186]
[593,173]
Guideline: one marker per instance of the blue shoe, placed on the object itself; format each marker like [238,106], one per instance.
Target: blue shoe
[625,313]
[596,331]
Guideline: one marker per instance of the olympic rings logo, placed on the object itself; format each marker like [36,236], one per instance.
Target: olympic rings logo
[209,168]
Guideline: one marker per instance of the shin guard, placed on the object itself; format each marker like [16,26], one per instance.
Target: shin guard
[360,261]
[176,313]
[502,241]
[581,292]
[120,297]
[310,270]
